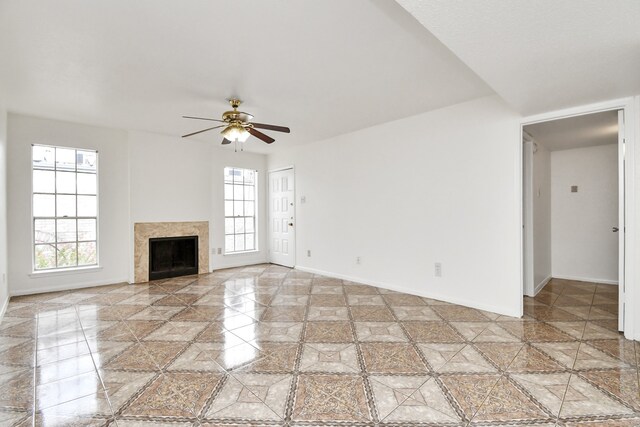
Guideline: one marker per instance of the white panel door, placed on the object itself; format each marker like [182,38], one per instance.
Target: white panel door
[282,217]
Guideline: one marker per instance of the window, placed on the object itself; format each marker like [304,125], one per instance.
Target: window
[65,207]
[240,210]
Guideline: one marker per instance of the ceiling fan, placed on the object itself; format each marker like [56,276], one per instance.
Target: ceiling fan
[237,126]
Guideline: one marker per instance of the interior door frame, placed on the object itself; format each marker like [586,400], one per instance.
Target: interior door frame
[295,214]
[527,217]
[627,260]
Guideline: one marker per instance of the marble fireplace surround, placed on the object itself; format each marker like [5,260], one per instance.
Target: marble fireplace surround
[143,231]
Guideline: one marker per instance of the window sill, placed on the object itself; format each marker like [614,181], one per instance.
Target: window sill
[66,271]
[255,251]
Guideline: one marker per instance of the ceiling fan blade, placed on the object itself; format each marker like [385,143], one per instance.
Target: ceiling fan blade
[225,141]
[203,118]
[260,135]
[271,127]
[203,130]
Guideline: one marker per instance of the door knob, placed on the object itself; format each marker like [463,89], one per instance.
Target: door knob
[614,229]
[291,224]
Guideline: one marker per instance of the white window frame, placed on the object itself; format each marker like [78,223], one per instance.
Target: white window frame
[62,269]
[255,212]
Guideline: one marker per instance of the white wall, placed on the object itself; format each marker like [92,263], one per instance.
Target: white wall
[113,201]
[4,285]
[170,178]
[541,216]
[175,179]
[583,246]
[437,187]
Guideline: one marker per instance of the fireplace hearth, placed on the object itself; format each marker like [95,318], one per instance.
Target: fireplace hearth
[173,256]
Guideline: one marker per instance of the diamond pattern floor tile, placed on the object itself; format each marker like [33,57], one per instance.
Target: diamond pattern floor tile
[267,345]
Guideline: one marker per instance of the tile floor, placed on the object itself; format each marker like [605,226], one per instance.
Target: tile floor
[265,345]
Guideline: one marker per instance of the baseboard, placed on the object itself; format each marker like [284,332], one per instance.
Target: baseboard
[238,264]
[59,288]
[540,285]
[3,309]
[391,287]
[587,279]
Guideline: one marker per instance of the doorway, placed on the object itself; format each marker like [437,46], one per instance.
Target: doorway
[574,214]
[282,235]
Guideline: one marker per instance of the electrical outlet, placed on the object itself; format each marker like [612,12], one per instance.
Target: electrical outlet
[219,251]
[358,260]
[308,252]
[438,269]
[303,199]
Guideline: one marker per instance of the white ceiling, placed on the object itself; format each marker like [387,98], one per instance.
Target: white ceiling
[542,55]
[588,130]
[322,68]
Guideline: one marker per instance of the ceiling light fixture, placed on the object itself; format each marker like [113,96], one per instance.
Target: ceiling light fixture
[238,126]
[235,132]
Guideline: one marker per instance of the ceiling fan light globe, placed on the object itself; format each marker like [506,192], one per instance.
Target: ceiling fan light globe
[243,136]
[235,132]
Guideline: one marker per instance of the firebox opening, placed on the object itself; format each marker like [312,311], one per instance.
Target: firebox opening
[172,257]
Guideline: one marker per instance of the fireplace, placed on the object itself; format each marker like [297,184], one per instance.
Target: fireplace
[143,232]
[173,256]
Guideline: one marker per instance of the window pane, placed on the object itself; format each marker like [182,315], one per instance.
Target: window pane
[228,175]
[45,256]
[87,229]
[248,225]
[87,206]
[44,205]
[86,160]
[65,159]
[237,176]
[66,230]
[248,208]
[237,209]
[228,192]
[249,176]
[238,193]
[66,205]
[249,242]
[66,182]
[67,255]
[239,242]
[228,243]
[228,208]
[239,227]
[87,183]
[87,253]
[249,192]
[44,181]
[45,230]
[43,157]
[228,226]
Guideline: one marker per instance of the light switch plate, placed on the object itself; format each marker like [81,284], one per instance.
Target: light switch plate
[574,188]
